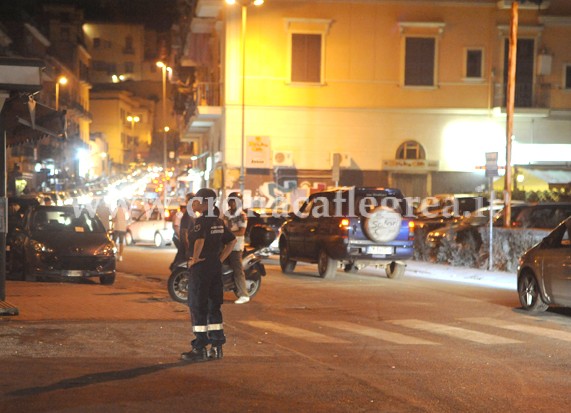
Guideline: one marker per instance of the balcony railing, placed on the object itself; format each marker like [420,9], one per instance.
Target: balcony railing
[527,95]
[207,94]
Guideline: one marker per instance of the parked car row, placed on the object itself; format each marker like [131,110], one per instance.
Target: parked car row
[343,228]
[523,215]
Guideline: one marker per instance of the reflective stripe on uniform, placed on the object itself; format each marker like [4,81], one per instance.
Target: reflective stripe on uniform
[212,327]
[199,329]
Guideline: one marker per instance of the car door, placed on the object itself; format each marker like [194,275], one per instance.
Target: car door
[296,230]
[155,224]
[557,265]
[311,232]
[139,227]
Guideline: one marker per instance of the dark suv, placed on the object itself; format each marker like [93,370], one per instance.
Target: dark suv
[353,226]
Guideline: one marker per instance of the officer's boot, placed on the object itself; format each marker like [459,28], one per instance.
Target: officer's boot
[215,352]
[196,354]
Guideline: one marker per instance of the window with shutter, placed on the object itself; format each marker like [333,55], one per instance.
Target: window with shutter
[419,61]
[306,58]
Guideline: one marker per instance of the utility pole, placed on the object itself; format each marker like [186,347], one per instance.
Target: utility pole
[510,99]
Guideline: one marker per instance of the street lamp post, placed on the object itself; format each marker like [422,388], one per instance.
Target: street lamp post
[244,5]
[164,69]
[62,80]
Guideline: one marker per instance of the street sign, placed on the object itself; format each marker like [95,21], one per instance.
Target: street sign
[491,164]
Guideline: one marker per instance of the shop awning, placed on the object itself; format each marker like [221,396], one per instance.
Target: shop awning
[552,176]
[26,120]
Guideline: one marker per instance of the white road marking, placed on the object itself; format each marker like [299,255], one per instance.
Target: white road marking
[455,332]
[294,332]
[375,333]
[522,328]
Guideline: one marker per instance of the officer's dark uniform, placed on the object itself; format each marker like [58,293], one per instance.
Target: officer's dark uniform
[205,288]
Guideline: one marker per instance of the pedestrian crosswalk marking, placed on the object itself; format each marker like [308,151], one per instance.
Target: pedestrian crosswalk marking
[375,333]
[455,332]
[294,332]
[522,328]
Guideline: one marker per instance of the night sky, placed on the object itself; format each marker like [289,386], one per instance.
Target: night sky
[155,14]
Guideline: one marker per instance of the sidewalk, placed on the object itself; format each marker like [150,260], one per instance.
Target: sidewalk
[497,279]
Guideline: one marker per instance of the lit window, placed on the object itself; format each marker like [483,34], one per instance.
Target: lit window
[411,150]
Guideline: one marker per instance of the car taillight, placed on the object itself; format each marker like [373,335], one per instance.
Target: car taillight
[410,230]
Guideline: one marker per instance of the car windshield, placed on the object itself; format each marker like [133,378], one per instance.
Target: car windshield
[366,203]
[57,219]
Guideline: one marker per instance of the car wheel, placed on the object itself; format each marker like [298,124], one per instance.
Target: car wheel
[286,264]
[383,224]
[159,242]
[107,279]
[395,270]
[326,266]
[350,267]
[129,238]
[178,285]
[529,293]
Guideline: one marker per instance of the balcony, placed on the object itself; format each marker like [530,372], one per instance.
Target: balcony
[527,96]
[208,94]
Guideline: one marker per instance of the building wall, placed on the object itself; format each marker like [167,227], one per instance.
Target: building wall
[110,110]
[111,49]
[362,107]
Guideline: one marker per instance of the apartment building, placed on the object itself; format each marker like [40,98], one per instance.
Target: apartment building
[407,93]
[127,100]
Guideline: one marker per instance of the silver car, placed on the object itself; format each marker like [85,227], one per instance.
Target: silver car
[151,227]
[544,271]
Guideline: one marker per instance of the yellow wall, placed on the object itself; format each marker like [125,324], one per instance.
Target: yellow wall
[362,108]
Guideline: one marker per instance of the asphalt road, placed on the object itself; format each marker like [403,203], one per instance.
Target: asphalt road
[360,343]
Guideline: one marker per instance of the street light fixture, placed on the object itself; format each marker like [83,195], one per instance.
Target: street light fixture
[244,4]
[62,80]
[133,120]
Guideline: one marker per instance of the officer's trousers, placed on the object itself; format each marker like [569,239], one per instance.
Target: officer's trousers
[205,297]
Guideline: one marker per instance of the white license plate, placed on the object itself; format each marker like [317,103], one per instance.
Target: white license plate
[380,250]
[74,273]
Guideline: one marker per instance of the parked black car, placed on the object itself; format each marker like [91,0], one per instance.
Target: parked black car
[62,241]
[354,226]
[454,229]
[439,210]
[543,215]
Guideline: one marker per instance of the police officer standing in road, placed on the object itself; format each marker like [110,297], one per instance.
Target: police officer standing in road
[181,224]
[211,243]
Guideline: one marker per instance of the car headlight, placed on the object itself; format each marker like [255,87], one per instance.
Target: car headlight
[41,247]
[107,249]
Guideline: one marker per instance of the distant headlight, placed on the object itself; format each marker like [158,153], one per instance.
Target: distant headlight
[107,249]
[41,247]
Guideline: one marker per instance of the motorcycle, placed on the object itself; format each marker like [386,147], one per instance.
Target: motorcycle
[253,269]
